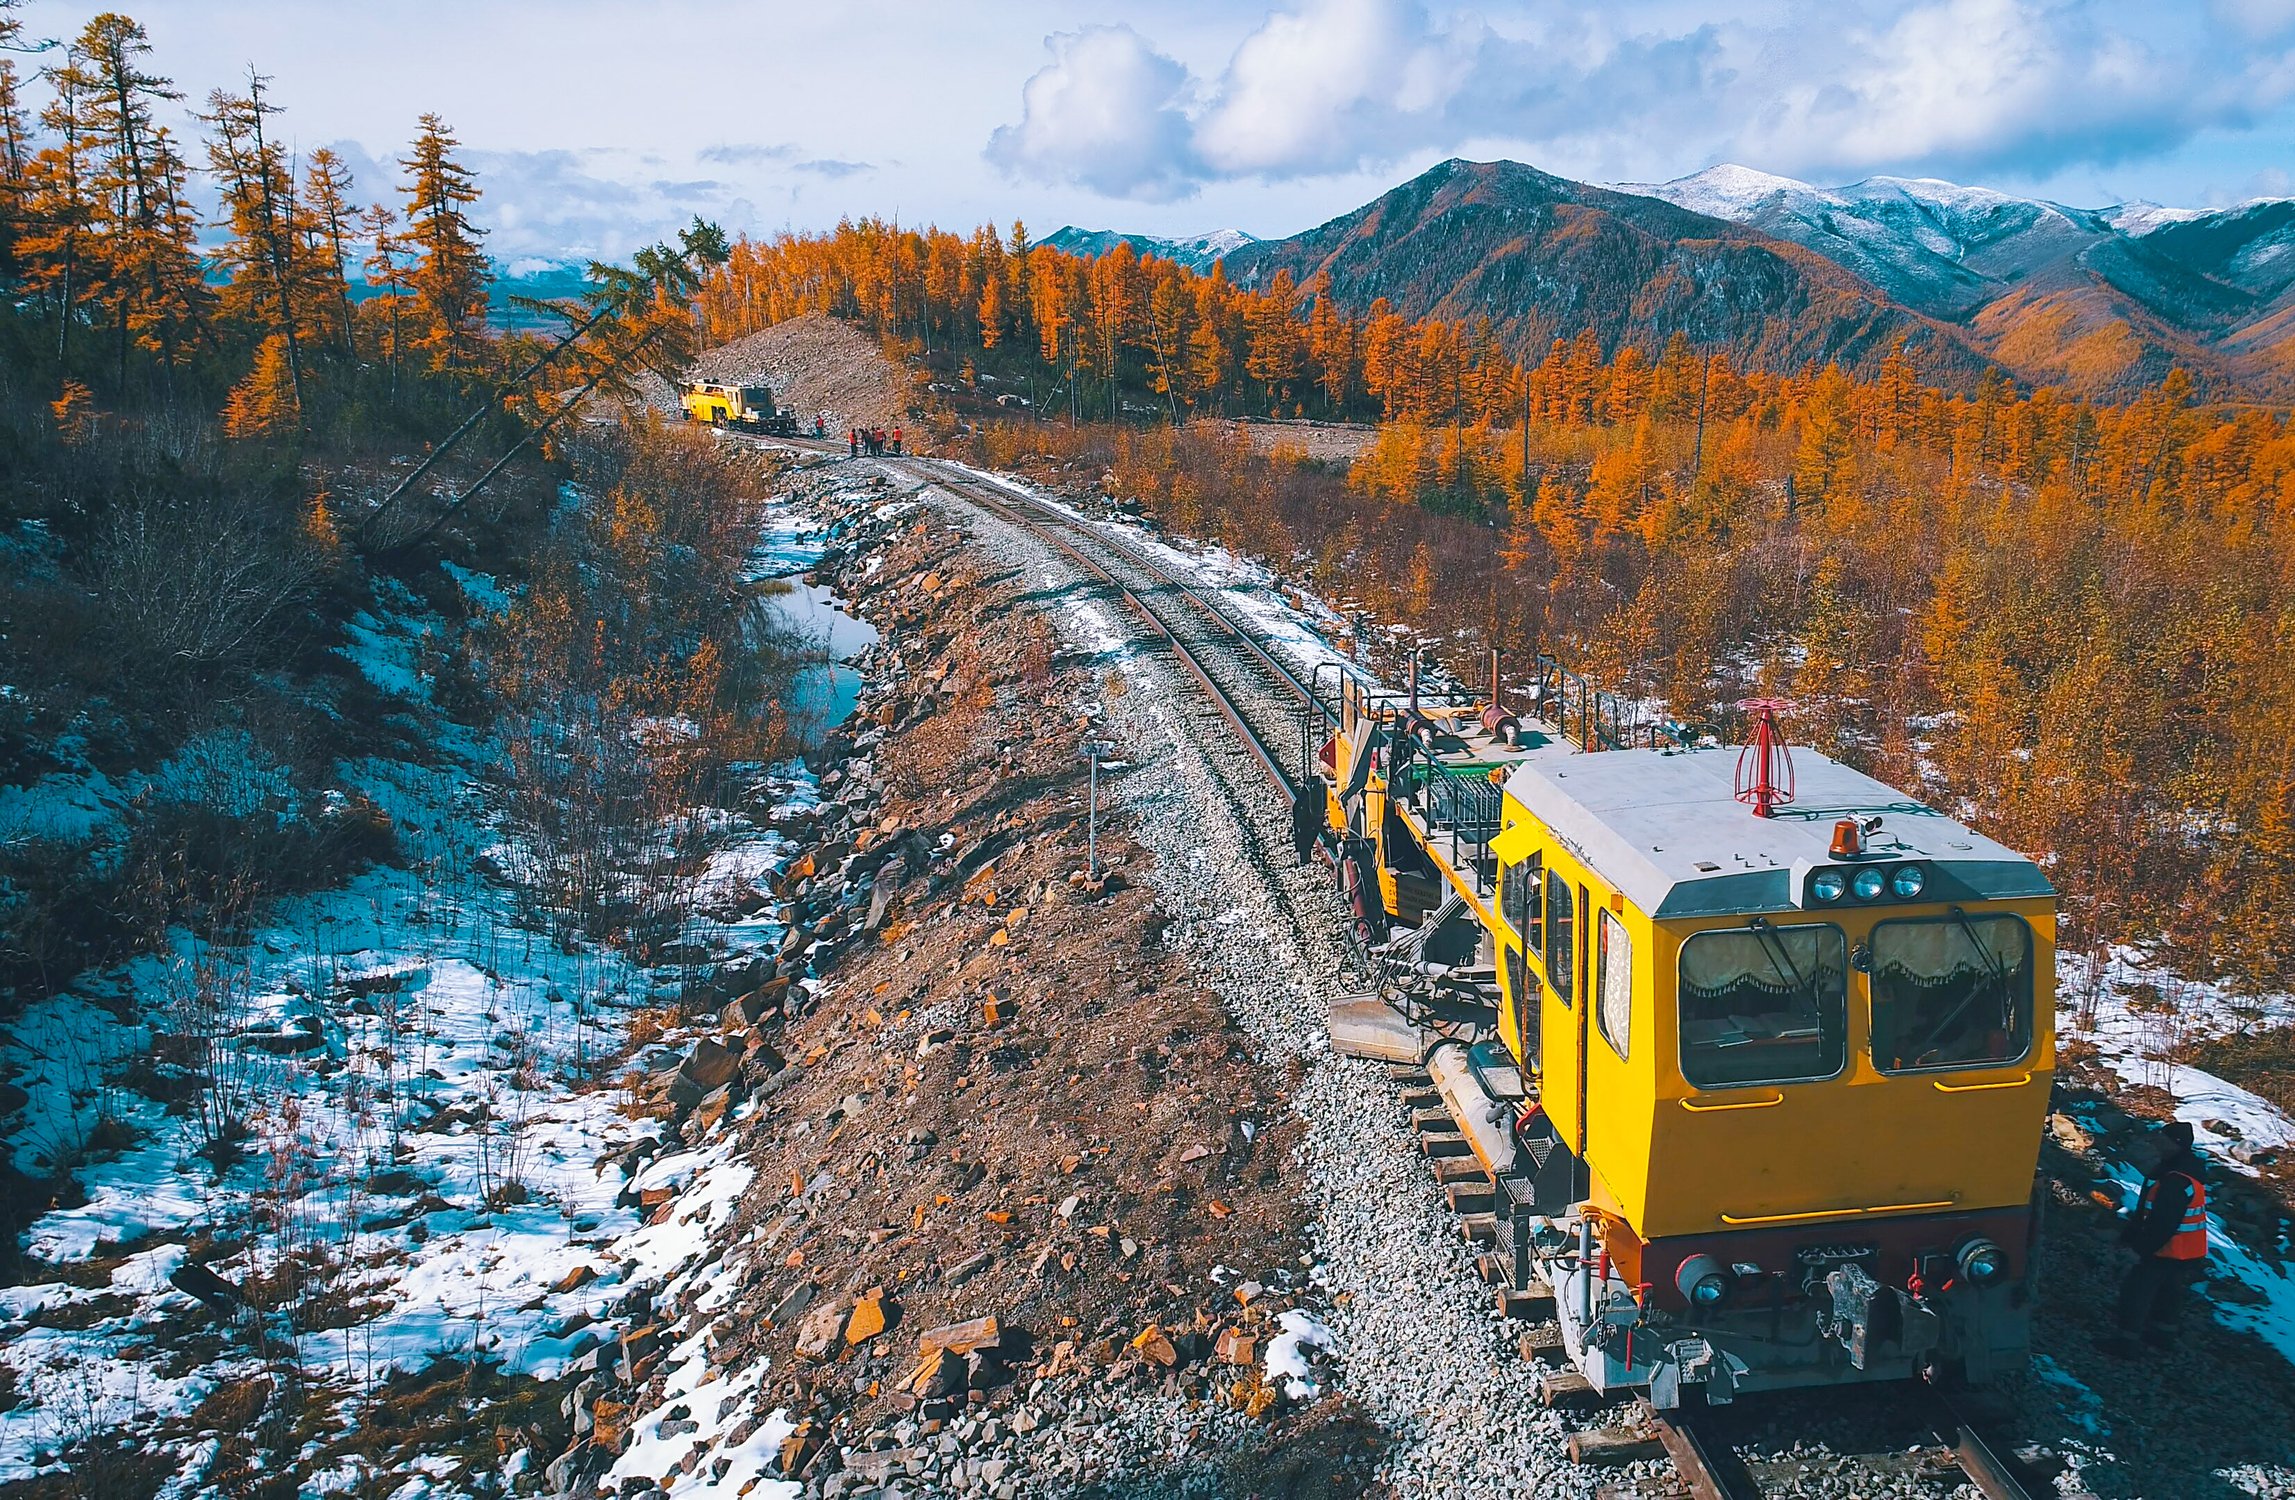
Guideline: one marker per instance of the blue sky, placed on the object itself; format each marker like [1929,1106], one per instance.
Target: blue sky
[597,126]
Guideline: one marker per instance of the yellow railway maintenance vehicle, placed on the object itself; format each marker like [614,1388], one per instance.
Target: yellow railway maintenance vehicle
[724,405]
[1754,1049]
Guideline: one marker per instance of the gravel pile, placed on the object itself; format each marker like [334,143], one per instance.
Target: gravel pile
[814,364]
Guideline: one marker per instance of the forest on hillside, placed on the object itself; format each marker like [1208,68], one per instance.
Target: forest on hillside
[2072,621]
[2066,617]
[231,443]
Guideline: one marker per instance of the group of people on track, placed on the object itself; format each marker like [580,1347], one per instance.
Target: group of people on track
[873,440]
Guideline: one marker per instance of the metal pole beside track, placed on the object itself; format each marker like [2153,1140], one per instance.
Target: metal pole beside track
[1093,750]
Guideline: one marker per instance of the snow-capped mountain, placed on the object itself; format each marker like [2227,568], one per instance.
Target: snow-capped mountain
[1951,251]
[1195,250]
[1932,245]
[2102,301]
[2140,217]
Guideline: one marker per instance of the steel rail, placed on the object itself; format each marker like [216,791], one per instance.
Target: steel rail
[1138,558]
[2000,1475]
[1706,1462]
[1010,509]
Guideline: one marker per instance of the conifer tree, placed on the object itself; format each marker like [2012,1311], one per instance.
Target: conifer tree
[327,226]
[263,404]
[58,210]
[15,151]
[449,276]
[263,254]
[386,268]
[990,313]
[142,230]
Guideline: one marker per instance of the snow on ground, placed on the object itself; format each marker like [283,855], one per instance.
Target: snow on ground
[2136,1014]
[1297,624]
[421,1074]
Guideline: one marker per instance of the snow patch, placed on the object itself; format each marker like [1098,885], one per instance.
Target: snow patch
[1289,1358]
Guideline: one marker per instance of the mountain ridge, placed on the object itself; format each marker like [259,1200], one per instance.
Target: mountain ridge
[2100,299]
[1196,251]
[1545,257]
[2103,301]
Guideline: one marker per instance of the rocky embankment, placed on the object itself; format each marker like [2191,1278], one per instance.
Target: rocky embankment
[989,1194]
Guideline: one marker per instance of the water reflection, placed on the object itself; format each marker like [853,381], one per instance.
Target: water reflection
[822,694]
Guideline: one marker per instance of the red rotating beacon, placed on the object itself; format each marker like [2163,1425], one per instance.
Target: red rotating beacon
[1765,766]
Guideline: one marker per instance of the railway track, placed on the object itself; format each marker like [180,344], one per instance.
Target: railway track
[1263,701]
[1260,698]
[1711,1468]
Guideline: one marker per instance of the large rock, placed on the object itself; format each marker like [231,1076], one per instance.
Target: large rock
[710,1065]
[820,1335]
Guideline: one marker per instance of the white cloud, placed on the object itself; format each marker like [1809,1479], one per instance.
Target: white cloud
[2258,18]
[1108,113]
[1977,83]
[1329,87]
[1311,91]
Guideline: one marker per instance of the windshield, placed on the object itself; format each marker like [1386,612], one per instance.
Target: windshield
[1764,1004]
[1951,992]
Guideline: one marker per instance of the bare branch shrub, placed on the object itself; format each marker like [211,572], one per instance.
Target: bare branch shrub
[204,578]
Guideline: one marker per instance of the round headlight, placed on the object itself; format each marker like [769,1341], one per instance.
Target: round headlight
[1828,885]
[1869,882]
[1702,1280]
[1907,882]
[1982,1262]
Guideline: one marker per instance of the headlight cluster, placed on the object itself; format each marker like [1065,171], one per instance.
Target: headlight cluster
[1904,882]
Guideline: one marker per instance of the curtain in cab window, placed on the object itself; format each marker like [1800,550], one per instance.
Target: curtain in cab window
[1614,984]
[1951,992]
[1764,1005]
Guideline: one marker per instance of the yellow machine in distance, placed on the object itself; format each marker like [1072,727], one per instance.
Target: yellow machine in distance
[1759,1089]
[726,405]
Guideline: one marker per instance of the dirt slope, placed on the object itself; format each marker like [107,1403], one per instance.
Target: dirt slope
[815,365]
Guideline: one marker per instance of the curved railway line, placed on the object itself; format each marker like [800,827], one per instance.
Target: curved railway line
[1262,700]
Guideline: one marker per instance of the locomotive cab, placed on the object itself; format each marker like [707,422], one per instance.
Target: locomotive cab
[1802,1072]
[1779,1072]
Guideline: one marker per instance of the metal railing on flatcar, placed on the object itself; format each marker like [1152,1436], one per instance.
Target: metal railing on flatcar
[1592,717]
[1596,718]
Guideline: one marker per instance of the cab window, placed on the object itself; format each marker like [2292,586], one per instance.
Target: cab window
[1951,992]
[1520,899]
[1764,1004]
[1561,935]
[1614,984]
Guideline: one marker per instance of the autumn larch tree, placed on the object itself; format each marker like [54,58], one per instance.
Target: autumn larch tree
[327,224]
[264,253]
[387,266]
[449,276]
[141,230]
[15,152]
[58,210]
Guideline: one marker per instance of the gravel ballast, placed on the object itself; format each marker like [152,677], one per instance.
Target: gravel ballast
[1420,1345]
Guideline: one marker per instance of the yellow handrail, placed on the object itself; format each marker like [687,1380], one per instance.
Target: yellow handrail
[1837,1213]
[1976,1088]
[1696,1108]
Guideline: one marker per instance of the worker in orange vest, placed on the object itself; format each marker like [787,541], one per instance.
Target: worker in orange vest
[2168,1232]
